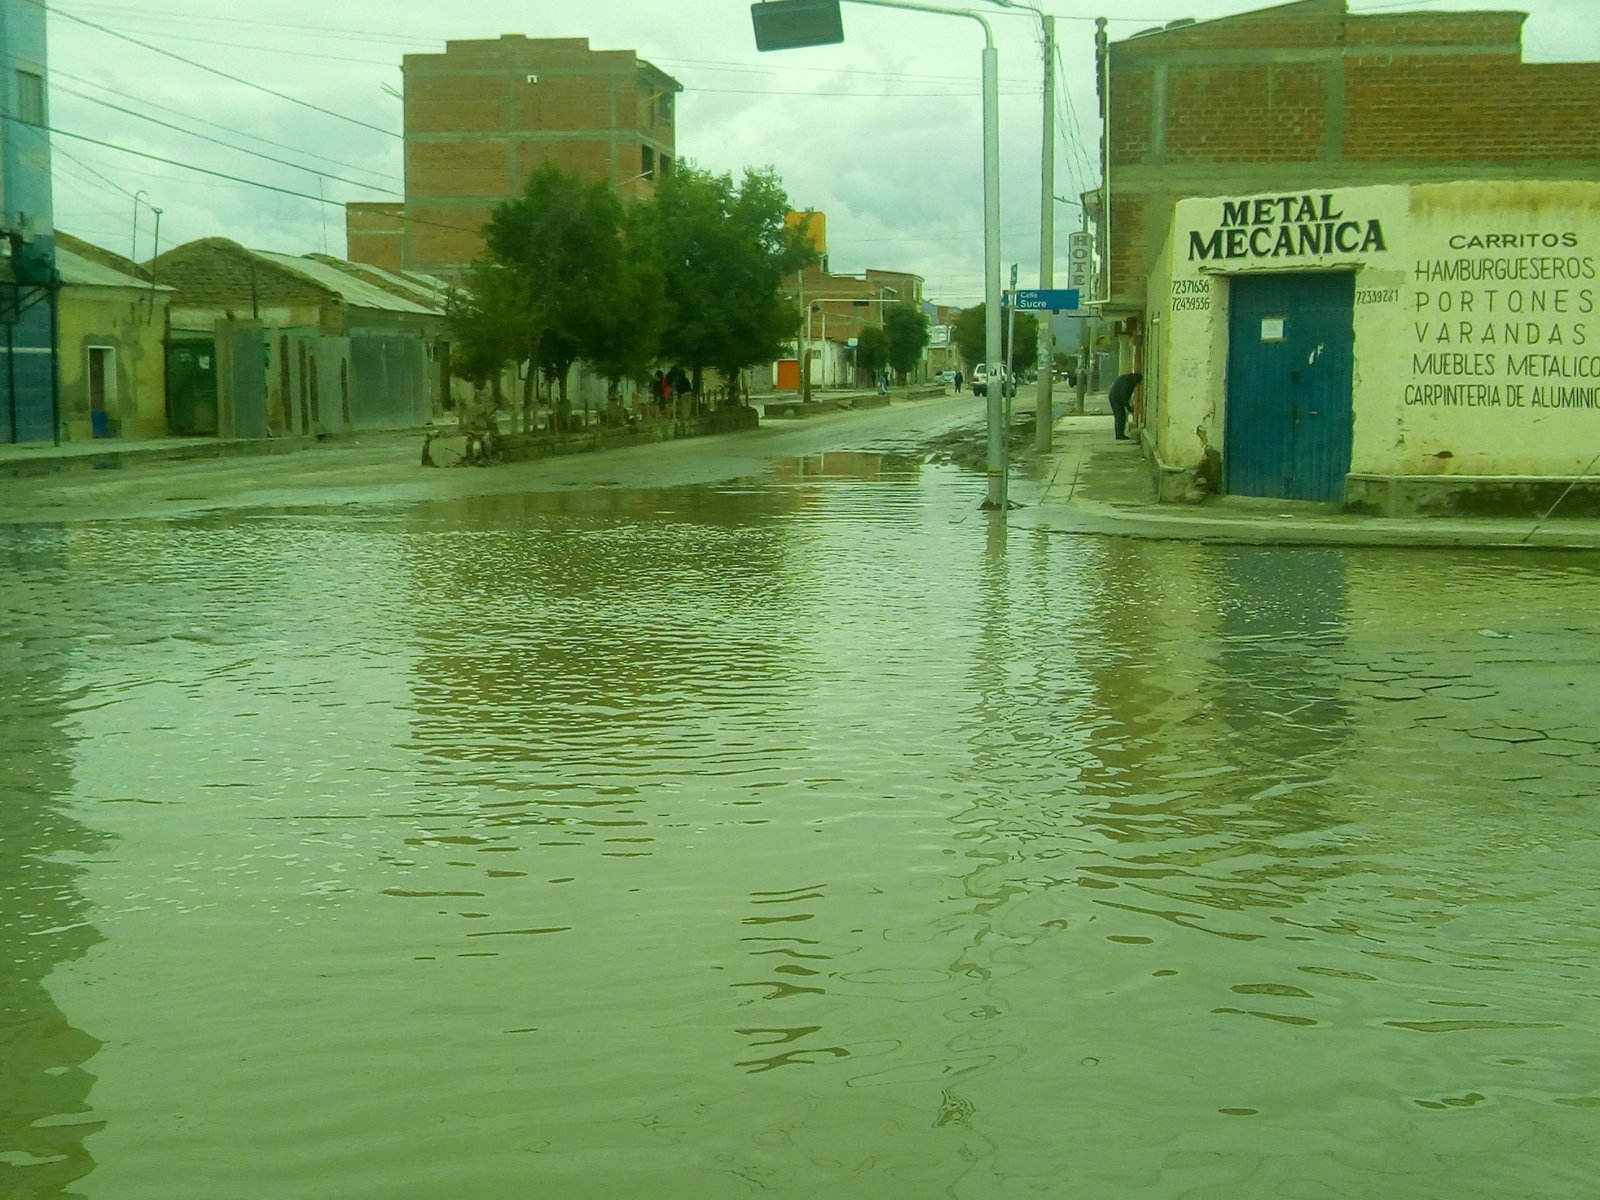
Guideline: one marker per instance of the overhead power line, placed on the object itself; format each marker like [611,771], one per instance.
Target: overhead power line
[199,66]
[204,137]
[255,183]
[57,73]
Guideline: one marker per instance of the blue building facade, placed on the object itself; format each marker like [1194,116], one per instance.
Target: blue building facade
[28,282]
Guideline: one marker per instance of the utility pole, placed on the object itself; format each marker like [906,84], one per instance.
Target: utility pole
[802,348]
[1044,415]
[814,25]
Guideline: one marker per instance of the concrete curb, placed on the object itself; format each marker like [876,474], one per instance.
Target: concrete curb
[1090,484]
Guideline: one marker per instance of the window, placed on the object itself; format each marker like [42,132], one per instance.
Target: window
[666,165]
[647,161]
[30,97]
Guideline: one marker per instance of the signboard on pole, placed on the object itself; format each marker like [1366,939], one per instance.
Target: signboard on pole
[1080,260]
[790,24]
[1044,299]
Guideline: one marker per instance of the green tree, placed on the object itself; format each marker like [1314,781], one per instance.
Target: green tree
[561,239]
[486,324]
[725,252]
[906,327]
[872,350]
[626,336]
[970,337]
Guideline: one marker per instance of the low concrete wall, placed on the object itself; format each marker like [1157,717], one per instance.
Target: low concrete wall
[1471,496]
[525,447]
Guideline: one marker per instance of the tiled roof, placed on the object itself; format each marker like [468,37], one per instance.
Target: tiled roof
[83,262]
[219,273]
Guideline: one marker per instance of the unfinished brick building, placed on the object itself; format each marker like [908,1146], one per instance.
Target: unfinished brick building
[482,115]
[1309,95]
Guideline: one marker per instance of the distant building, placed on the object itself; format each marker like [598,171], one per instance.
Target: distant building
[112,322]
[836,309]
[264,344]
[1309,95]
[481,116]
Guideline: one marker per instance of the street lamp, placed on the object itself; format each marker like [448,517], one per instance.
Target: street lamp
[813,304]
[786,24]
[133,253]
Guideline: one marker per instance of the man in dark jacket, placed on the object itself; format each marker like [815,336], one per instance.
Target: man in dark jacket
[1119,396]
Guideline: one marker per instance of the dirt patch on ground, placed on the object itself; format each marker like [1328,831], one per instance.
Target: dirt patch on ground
[968,447]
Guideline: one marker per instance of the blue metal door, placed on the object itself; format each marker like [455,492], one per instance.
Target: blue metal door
[1288,423]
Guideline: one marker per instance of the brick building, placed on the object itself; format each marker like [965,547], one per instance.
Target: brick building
[482,115]
[1356,258]
[1309,95]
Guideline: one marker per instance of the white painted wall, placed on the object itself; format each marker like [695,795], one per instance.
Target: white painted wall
[1477,335]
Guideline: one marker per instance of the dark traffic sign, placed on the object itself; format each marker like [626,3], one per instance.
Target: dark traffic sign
[790,24]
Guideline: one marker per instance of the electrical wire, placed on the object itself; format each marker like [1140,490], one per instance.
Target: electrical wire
[57,73]
[282,162]
[210,70]
[255,183]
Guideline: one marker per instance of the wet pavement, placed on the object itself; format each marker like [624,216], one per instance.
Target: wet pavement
[759,818]
[1087,483]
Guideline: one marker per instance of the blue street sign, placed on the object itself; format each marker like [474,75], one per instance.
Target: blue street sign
[1044,299]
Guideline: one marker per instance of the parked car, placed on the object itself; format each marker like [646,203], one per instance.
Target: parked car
[980,381]
[946,376]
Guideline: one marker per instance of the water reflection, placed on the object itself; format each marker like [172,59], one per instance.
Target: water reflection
[804,834]
[865,466]
[45,1082]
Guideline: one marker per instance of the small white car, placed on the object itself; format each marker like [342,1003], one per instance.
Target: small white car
[980,381]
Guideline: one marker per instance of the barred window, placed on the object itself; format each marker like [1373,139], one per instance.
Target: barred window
[30,97]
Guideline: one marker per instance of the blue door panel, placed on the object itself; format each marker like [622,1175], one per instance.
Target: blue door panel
[1291,339]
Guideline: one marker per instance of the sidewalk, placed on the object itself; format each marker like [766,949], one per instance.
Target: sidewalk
[1091,483]
[1088,483]
[42,458]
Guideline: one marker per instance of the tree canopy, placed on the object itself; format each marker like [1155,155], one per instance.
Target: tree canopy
[872,349]
[970,337]
[905,326]
[725,252]
[568,274]
[562,242]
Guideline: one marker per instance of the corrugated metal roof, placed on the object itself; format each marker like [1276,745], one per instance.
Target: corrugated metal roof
[350,288]
[74,268]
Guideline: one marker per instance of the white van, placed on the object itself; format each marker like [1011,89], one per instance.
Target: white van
[980,380]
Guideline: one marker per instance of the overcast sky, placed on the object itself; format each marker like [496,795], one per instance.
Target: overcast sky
[881,133]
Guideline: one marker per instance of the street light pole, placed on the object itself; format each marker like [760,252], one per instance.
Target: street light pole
[1044,415]
[995,457]
[133,253]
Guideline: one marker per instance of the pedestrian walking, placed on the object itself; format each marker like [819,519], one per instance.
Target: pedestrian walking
[1119,397]
[960,379]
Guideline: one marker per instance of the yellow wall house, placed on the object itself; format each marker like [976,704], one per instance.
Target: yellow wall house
[112,322]
[1422,348]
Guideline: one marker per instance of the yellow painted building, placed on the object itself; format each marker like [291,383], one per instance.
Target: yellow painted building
[109,337]
[1422,348]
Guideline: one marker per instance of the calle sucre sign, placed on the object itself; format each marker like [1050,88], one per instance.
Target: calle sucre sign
[1285,226]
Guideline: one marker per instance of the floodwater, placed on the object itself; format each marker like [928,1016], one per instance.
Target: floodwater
[799,837]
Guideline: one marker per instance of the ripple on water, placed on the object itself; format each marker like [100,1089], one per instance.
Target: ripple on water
[684,841]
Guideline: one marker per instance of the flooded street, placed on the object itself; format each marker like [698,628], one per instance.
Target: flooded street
[796,834]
